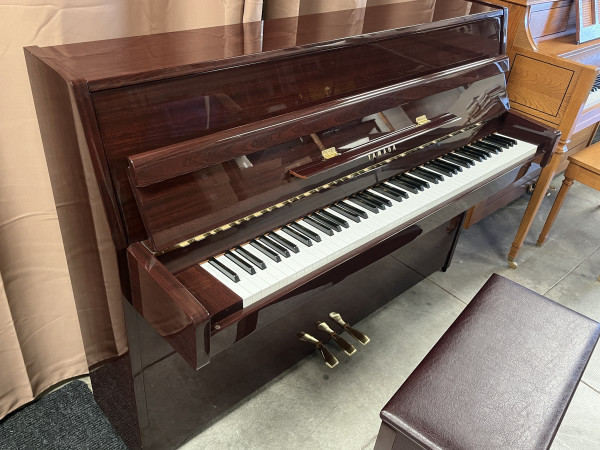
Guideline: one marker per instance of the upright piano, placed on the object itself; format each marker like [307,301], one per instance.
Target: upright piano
[258,177]
[554,78]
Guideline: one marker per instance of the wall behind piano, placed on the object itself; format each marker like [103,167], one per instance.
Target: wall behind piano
[60,302]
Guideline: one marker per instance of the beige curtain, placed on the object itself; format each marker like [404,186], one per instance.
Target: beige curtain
[60,305]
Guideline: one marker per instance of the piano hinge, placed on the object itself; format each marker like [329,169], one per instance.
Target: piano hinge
[329,153]
[315,190]
[422,120]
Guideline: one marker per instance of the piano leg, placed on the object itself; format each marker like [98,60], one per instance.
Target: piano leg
[567,183]
[541,187]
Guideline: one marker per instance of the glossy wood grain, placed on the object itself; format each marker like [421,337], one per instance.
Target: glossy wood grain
[189,205]
[114,63]
[179,317]
[511,124]
[146,92]
[387,140]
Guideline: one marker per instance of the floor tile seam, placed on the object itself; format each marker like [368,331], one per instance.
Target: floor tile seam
[447,291]
[590,386]
[571,271]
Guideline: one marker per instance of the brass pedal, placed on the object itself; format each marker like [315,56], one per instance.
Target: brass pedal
[330,360]
[360,336]
[348,348]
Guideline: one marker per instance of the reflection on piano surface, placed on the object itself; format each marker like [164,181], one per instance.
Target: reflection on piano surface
[251,194]
[553,79]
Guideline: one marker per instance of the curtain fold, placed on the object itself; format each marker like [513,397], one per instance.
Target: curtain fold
[60,298]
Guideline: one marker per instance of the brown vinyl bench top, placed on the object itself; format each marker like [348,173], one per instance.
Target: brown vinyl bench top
[502,376]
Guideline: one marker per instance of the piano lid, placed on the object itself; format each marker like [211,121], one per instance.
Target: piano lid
[124,61]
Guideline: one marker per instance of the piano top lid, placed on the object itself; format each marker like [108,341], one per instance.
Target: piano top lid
[124,61]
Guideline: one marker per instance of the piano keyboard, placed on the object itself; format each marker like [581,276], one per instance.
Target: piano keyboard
[594,94]
[273,261]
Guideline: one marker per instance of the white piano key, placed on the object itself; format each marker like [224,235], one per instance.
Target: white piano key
[249,282]
[234,287]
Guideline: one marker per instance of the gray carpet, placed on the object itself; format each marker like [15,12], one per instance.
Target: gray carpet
[68,418]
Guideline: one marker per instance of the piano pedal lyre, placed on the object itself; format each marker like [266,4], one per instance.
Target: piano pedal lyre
[358,335]
[330,360]
[347,347]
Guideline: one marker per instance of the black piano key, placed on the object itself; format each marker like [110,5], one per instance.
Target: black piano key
[454,167]
[404,185]
[275,246]
[402,193]
[426,174]
[284,242]
[365,204]
[297,235]
[224,270]
[509,141]
[319,226]
[265,250]
[468,154]
[346,213]
[480,151]
[490,140]
[305,231]
[439,169]
[351,208]
[324,220]
[460,160]
[239,262]
[250,257]
[388,193]
[374,197]
[341,222]
[373,202]
[421,184]
[485,146]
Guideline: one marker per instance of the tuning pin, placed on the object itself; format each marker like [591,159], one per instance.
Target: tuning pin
[361,337]
[343,344]
[330,360]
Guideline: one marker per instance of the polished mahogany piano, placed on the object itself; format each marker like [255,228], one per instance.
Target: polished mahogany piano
[258,177]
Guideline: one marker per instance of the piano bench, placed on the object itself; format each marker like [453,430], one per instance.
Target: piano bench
[501,377]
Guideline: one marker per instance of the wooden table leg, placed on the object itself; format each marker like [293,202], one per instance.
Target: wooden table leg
[546,176]
[566,184]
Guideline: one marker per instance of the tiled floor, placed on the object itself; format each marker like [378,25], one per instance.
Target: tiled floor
[311,406]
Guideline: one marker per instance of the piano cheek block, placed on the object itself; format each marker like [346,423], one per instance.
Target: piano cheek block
[169,307]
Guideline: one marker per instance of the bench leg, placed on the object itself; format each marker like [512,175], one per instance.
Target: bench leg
[566,185]
[389,439]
